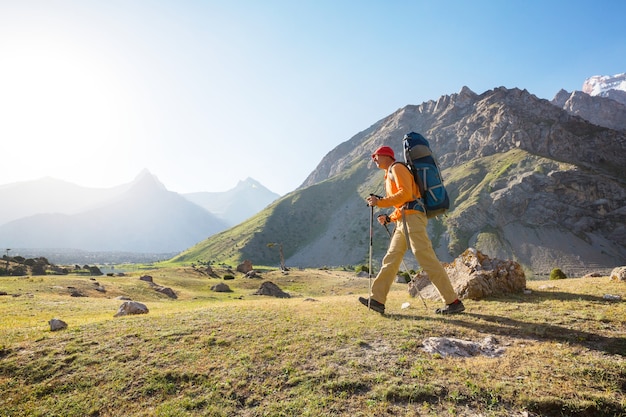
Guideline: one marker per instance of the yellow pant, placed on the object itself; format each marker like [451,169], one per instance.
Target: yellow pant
[424,253]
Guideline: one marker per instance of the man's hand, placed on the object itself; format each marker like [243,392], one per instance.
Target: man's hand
[372,200]
[383,219]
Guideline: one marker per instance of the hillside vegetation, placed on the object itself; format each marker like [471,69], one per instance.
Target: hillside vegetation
[318,353]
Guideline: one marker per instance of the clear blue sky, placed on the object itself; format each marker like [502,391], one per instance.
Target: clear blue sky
[206,93]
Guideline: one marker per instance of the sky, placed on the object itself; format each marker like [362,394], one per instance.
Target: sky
[205,94]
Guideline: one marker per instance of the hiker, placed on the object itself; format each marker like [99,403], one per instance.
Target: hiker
[401,194]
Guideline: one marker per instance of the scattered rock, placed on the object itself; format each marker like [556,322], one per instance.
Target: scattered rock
[3,293]
[447,346]
[475,276]
[123,297]
[221,287]
[252,274]
[404,306]
[131,307]
[158,288]
[165,290]
[593,275]
[75,293]
[611,297]
[618,274]
[310,299]
[271,289]
[245,267]
[56,324]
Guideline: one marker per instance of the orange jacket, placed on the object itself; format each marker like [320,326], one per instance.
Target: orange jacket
[400,188]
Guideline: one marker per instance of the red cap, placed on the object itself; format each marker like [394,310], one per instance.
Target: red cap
[386,151]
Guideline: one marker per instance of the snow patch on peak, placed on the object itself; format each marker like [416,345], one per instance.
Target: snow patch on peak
[599,85]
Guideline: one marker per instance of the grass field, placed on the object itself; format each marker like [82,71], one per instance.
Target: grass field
[318,353]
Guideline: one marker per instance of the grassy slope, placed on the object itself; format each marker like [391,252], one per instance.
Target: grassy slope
[332,213]
[224,354]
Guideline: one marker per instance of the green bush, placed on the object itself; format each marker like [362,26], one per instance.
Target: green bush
[556,273]
[406,275]
[362,268]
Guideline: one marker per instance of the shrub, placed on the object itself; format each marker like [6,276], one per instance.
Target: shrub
[556,273]
[362,268]
[406,275]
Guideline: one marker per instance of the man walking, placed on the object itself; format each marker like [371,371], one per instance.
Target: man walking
[402,193]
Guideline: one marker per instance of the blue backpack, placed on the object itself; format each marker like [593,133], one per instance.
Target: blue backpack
[423,165]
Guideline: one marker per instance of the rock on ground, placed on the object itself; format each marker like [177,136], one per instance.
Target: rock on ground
[619,274]
[271,289]
[475,276]
[448,346]
[57,324]
[131,307]
[221,287]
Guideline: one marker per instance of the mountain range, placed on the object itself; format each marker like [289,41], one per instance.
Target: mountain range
[537,181]
[141,216]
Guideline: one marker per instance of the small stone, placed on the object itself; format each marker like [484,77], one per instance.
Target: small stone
[56,324]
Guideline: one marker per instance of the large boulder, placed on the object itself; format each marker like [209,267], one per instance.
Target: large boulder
[131,307]
[245,267]
[271,289]
[475,276]
[619,274]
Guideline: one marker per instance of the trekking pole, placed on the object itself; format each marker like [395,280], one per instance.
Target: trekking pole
[369,294]
[407,271]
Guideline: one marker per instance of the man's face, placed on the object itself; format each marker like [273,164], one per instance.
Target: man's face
[382,161]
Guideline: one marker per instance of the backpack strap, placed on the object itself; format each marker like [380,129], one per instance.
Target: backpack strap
[417,203]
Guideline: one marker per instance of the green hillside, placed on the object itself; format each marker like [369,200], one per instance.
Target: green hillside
[294,221]
[334,212]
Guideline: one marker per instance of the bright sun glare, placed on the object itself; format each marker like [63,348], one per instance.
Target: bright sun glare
[60,103]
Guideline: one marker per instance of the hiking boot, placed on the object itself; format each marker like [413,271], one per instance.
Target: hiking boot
[373,304]
[452,308]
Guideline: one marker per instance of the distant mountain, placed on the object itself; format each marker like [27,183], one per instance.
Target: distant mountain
[529,182]
[49,195]
[138,217]
[235,205]
[599,110]
[608,86]
[602,101]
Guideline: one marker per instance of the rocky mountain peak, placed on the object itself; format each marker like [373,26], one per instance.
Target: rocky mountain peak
[602,101]
[524,174]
